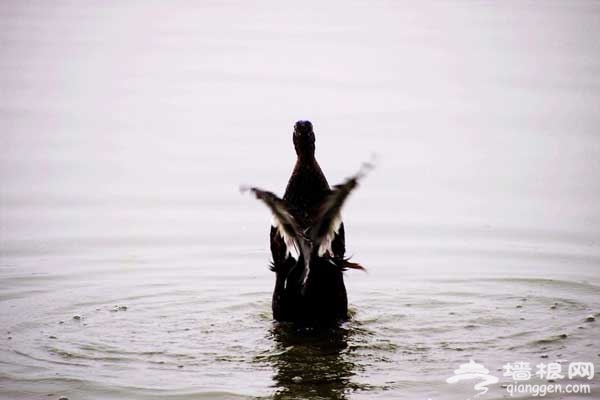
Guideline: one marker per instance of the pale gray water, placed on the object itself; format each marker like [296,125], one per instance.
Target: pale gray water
[127,127]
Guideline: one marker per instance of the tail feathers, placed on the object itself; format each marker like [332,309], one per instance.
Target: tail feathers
[284,267]
[346,264]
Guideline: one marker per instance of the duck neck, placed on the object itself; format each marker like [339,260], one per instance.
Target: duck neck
[306,157]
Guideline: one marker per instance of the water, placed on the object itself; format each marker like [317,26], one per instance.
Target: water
[127,127]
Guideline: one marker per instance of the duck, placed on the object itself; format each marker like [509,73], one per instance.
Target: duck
[307,238]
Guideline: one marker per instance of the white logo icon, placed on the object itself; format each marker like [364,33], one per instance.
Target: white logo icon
[472,370]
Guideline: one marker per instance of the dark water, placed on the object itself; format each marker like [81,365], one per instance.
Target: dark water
[127,127]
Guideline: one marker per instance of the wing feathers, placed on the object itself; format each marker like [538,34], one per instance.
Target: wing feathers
[285,223]
[328,220]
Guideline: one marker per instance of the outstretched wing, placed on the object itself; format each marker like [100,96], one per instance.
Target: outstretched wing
[284,222]
[329,219]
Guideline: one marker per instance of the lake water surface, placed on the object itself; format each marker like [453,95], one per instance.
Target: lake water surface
[132,268]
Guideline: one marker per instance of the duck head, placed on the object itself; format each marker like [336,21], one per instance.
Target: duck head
[304,139]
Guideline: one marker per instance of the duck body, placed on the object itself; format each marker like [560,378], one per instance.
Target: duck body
[307,240]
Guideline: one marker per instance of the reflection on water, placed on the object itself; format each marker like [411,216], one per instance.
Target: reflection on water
[312,363]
